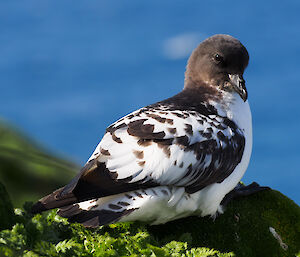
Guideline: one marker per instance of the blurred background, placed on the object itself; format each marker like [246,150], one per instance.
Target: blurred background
[70,68]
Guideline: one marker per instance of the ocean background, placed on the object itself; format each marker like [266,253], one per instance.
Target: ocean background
[68,69]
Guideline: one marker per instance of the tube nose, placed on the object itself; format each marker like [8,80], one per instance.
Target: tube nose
[242,82]
[239,85]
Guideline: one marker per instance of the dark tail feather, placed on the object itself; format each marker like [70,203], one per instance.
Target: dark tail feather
[53,200]
[93,181]
[91,218]
[61,197]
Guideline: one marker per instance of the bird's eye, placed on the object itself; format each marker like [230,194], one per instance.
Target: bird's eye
[218,58]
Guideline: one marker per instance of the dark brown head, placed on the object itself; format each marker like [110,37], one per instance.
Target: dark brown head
[219,61]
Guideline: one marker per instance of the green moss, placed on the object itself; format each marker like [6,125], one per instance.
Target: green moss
[243,230]
[6,209]
[50,235]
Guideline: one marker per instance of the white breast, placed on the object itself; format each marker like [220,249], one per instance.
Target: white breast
[238,111]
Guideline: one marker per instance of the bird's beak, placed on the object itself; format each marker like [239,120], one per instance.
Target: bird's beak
[239,86]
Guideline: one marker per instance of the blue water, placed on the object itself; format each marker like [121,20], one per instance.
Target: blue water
[70,68]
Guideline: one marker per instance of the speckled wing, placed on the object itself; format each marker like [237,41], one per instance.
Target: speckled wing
[168,147]
[155,147]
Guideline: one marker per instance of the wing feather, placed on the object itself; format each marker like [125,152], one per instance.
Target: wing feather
[156,147]
[181,148]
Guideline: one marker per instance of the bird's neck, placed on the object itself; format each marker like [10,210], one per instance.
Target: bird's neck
[200,91]
[232,106]
[226,104]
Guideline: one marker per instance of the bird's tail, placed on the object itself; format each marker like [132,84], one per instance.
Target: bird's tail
[68,194]
[92,217]
[53,200]
[90,213]
[92,182]
[143,205]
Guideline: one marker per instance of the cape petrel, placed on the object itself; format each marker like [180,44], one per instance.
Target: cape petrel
[179,157]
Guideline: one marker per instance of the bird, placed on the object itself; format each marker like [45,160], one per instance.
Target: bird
[183,156]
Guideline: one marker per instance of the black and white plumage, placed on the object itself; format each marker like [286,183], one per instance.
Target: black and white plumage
[172,159]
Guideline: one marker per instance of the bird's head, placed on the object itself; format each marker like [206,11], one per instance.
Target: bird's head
[219,61]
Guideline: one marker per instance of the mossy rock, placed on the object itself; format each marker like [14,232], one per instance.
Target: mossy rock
[6,209]
[245,227]
[243,230]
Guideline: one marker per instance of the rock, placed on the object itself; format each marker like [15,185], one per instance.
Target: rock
[6,209]
[263,224]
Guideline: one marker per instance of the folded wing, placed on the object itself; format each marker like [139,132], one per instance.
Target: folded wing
[153,147]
